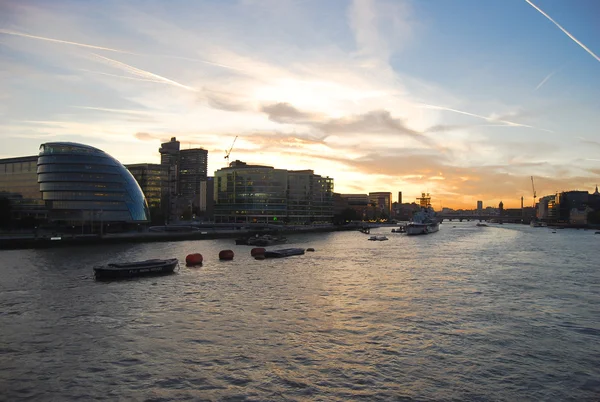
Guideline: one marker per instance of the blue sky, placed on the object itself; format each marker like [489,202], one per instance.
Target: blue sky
[465,99]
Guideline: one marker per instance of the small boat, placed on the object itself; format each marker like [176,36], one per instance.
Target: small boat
[284,252]
[137,268]
[400,229]
[365,230]
[378,238]
[265,240]
[481,225]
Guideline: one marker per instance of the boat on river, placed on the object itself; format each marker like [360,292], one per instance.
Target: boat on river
[425,220]
[284,252]
[378,238]
[266,240]
[136,268]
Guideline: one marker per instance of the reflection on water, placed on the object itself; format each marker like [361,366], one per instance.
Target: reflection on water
[469,313]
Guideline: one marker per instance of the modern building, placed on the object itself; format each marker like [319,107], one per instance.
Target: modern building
[192,178]
[263,194]
[381,202]
[399,198]
[80,183]
[310,197]
[153,179]
[20,191]
[187,179]
[479,207]
[250,193]
[359,203]
[71,185]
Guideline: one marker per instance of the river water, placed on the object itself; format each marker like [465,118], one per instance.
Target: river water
[499,313]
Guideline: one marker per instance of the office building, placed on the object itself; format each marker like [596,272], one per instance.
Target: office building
[73,185]
[187,177]
[381,202]
[310,197]
[153,179]
[263,194]
[399,197]
[80,183]
[20,190]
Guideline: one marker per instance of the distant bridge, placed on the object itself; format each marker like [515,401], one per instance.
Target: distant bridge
[481,218]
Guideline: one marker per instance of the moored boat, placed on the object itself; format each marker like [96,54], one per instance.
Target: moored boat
[378,238]
[284,252]
[266,240]
[425,220]
[137,268]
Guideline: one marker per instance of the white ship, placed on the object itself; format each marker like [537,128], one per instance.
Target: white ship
[425,220]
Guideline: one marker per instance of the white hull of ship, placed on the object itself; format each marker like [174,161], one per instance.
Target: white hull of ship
[421,228]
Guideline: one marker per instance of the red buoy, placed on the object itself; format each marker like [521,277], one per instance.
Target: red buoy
[226,255]
[193,259]
[257,251]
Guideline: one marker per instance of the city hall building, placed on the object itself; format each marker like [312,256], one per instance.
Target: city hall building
[71,184]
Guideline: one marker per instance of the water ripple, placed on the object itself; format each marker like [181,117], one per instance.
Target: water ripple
[506,313]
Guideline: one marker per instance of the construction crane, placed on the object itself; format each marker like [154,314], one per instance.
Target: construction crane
[229,152]
[534,193]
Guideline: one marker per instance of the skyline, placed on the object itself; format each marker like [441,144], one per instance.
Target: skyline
[465,101]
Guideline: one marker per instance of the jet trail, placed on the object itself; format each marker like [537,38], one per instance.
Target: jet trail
[490,119]
[564,30]
[544,80]
[143,73]
[66,42]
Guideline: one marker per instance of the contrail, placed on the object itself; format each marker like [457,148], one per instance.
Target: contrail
[506,122]
[121,76]
[564,30]
[66,42]
[143,73]
[544,80]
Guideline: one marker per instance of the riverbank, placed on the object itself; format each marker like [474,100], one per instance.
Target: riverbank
[29,240]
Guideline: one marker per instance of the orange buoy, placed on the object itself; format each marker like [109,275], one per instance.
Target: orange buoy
[310,249]
[193,259]
[257,251]
[226,255]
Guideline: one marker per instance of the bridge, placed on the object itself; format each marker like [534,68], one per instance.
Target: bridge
[481,218]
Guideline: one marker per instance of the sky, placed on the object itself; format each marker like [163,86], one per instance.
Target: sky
[464,99]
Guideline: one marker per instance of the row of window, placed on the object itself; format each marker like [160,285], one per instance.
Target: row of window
[81,196]
[90,205]
[67,186]
[56,168]
[17,167]
[85,177]
[76,159]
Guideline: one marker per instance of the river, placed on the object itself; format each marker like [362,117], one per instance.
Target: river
[498,313]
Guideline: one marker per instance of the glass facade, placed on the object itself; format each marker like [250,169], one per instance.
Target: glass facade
[245,193]
[262,194]
[18,184]
[310,197]
[80,183]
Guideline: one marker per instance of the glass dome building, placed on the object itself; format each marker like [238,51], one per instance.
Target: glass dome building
[81,183]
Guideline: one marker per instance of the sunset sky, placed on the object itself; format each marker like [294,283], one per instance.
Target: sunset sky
[465,99]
